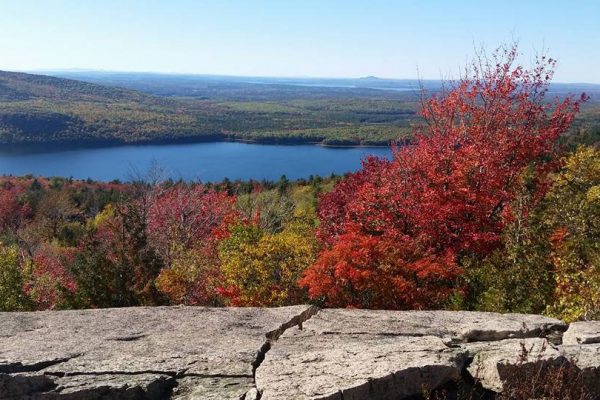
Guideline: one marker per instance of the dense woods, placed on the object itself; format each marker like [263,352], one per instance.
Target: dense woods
[485,209]
[42,109]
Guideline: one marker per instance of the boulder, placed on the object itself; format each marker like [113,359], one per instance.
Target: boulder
[587,358]
[495,363]
[585,332]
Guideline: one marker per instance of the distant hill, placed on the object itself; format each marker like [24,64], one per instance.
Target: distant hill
[149,108]
[15,86]
[240,88]
[87,107]
[41,109]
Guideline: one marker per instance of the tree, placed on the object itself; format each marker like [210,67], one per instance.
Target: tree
[181,218]
[192,278]
[446,196]
[12,280]
[185,225]
[370,271]
[262,269]
[270,209]
[573,216]
[114,264]
[516,277]
[51,284]
[12,212]
[54,210]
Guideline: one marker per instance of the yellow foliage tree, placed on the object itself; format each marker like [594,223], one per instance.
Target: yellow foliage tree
[12,280]
[192,278]
[262,269]
[574,215]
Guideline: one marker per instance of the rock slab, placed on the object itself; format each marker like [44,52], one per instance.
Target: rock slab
[366,354]
[137,353]
[288,353]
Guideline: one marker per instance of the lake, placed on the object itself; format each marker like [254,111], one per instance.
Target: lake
[197,161]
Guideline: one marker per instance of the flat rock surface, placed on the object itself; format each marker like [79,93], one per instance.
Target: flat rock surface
[213,348]
[364,354]
[585,332]
[456,326]
[354,367]
[286,353]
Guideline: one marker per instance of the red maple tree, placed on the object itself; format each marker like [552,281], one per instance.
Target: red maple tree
[394,232]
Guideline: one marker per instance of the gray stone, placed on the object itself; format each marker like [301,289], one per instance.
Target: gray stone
[585,332]
[366,354]
[496,362]
[587,358]
[581,345]
[493,362]
[212,388]
[355,367]
[146,348]
[452,326]
[252,395]
[273,353]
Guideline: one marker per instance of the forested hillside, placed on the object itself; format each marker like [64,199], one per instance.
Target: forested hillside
[42,109]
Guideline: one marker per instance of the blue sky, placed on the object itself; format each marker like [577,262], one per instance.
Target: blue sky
[326,38]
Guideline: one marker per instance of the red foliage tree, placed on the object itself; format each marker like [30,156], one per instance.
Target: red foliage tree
[12,212]
[51,282]
[185,225]
[332,205]
[368,271]
[394,231]
[185,217]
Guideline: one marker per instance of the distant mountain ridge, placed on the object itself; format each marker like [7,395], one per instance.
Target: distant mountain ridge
[142,80]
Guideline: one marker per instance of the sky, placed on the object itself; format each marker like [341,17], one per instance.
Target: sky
[430,39]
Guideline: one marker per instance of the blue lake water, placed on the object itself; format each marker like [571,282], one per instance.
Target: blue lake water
[197,161]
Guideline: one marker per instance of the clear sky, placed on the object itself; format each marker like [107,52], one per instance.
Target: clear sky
[317,38]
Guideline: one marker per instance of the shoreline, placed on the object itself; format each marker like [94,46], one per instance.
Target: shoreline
[91,144]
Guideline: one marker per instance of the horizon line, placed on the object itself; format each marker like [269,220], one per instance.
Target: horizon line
[43,71]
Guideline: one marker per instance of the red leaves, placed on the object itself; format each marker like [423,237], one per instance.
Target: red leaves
[11,210]
[50,278]
[379,272]
[333,205]
[183,217]
[444,196]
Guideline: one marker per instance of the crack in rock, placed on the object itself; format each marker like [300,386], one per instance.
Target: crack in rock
[375,355]
[273,335]
[126,338]
[139,353]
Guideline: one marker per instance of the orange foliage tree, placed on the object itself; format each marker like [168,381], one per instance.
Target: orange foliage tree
[395,232]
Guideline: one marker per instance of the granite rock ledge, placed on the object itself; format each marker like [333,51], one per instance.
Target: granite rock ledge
[297,352]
